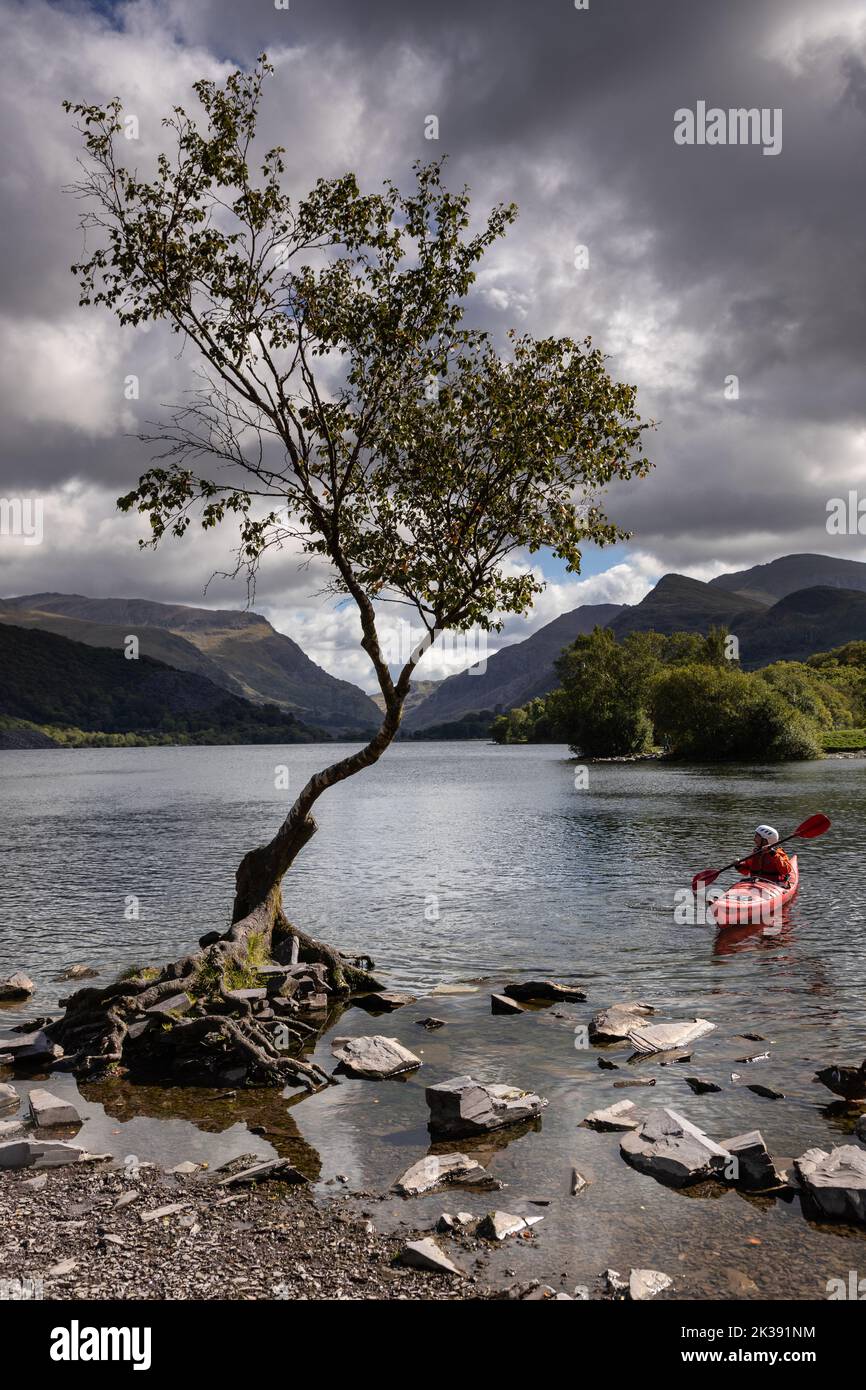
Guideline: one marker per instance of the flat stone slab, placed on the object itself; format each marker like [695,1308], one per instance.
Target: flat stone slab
[669,1147]
[158,1213]
[44,1153]
[463,1106]
[279,1168]
[175,1004]
[435,1169]
[426,1254]
[661,1037]
[614,1023]
[541,991]
[454,989]
[47,1110]
[10,1128]
[834,1183]
[497,1225]
[375,1057]
[384,1001]
[623,1115]
[501,1004]
[27,1045]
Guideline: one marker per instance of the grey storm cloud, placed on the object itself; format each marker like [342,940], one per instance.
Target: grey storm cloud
[704,262]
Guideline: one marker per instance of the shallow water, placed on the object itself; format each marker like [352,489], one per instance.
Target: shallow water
[468,861]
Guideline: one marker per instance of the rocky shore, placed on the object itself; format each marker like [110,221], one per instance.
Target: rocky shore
[93,1233]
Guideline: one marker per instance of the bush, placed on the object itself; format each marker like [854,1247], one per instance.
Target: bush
[709,713]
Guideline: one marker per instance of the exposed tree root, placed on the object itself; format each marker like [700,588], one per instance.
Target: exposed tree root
[215,1033]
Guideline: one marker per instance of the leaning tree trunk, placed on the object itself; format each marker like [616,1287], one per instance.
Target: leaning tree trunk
[242,1007]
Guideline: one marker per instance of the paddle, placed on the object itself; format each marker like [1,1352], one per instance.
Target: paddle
[809,830]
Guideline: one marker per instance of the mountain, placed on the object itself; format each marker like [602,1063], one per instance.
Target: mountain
[768,583]
[680,604]
[802,623]
[512,675]
[51,681]
[237,650]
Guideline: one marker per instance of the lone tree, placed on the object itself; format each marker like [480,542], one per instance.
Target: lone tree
[346,408]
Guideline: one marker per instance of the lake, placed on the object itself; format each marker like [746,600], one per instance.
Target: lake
[471,862]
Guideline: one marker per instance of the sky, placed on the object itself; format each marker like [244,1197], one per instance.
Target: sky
[703,262]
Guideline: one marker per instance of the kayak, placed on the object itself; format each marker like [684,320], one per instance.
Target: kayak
[755,900]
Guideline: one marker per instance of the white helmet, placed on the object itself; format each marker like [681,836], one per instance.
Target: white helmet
[767,834]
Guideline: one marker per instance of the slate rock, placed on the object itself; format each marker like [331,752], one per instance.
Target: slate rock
[497,1225]
[501,1004]
[8,1096]
[622,1116]
[669,1147]
[268,1168]
[463,1106]
[76,972]
[616,1022]
[435,1169]
[647,1283]
[431,1024]
[44,1153]
[426,1254]
[383,1001]
[176,1004]
[374,1057]
[543,991]
[846,1081]
[755,1170]
[661,1037]
[48,1111]
[768,1092]
[701,1086]
[9,1129]
[17,986]
[578,1182]
[834,1183]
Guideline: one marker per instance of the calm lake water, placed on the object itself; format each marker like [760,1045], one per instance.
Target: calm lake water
[469,862]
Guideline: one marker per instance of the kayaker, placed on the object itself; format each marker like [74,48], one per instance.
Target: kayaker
[769,859]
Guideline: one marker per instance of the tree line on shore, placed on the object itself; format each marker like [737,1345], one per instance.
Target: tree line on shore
[684,694]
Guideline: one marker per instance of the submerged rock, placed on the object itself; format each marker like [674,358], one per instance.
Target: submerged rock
[431,1024]
[661,1037]
[578,1182]
[383,1001]
[18,986]
[501,1004]
[846,1081]
[834,1183]
[426,1254]
[768,1092]
[48,1111]
[76,972]
[701,1086]
[542,991]
[672,1149]
[616,1022]
[434,1169]
[623,1115]
[463,1106]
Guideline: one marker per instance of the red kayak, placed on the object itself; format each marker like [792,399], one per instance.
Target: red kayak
[756,900]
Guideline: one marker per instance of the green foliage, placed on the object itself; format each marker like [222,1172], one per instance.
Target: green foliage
[681,692]
[708,713]
[413,456]
[843,740]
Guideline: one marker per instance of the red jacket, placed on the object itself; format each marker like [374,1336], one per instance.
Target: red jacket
[767,863]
